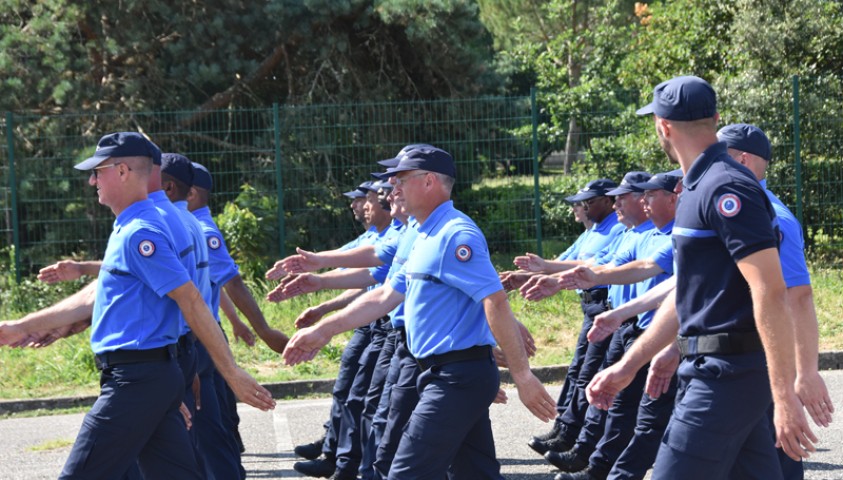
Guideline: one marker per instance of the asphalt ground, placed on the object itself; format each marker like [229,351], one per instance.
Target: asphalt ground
[36,448]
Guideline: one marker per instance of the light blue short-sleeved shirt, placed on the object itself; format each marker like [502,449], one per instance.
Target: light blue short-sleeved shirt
[140,267]
[445,279]
[791,243]
[221,267]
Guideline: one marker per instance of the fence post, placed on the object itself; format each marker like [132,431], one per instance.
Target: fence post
[276,122]
[13,189]
[534,110]
[797,149]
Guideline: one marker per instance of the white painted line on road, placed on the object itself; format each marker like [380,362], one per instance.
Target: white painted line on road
[283,442]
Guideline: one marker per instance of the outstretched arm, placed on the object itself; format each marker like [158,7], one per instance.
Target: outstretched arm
[67,270]
[72,310]
[245,302]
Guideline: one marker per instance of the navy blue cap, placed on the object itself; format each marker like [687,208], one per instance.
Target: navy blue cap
[628,183]
[177,166]
[682,99]
[382,184]
[571,198]
[594,188]
[431,159]
[746,138]
[661,181]
[121,144]
[392,162]
[202,177]
[361,190]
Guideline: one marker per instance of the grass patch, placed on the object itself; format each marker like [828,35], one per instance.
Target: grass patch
[67,367]
[45,412]
[51,445]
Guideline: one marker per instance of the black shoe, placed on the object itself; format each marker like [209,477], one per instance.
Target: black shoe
[320,467]
[555,444]
[338,475]
[554,432]
[570,461]
[310,451]
[587,474]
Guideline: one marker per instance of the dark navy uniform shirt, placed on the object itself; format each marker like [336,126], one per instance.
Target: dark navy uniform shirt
[139,269]
[445,279]
[722,216]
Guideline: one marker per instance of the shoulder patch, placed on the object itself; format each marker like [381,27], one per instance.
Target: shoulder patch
[729,205]
[463,253]
[146,248]
[214,242]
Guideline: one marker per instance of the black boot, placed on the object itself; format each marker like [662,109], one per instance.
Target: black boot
[587,474]
[323,467]
[570,461]
[553,443]
[310,451]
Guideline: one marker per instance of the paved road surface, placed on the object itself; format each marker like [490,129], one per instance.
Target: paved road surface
[35,448]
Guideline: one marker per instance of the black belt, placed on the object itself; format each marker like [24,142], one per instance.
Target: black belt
[594,295]
[727,343]
[473,353]
[120,357]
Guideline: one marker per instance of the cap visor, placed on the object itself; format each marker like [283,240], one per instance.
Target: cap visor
[389,162]
[621,191]
[89,163]
[645,110]
[583,196]
[354,194]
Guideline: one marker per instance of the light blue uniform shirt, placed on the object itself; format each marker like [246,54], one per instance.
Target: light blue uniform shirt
[654,244]
[139,269]
[601,236]
[221,267]
[182,239]
[571,252]
[445,279]
[405,246]
[362,239]
[385,249]
[791,243]
[620,294]
[202,278]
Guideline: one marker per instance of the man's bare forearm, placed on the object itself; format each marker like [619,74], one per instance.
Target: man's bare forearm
[628,273]
[76,308]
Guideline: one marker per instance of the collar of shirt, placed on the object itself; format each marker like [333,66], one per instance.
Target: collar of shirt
[763,183]
[607,223]
[667,229]
[702,163]
[131,212]
[203,212]
[181,204]
[643,227]
[435,216]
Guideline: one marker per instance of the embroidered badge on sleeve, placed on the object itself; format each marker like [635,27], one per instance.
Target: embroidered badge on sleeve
[146,248]
[729,205]
[463,253]
[214,243]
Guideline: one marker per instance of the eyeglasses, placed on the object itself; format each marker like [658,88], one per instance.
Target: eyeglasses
[400,181]
[102,167]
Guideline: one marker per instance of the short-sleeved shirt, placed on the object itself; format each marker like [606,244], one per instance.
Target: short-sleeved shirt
[571,252]
[202,278]
[385,247]
[445,279]
[620,294]
[791,244]
[599,238]
[221,266]
[722,216]
[361,240]
[183,240]
[652,244]
[140,267]
[405,246]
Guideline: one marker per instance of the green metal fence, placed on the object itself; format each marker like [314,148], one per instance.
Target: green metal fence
[290,164]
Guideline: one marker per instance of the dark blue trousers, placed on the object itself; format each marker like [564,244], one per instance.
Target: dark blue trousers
[135,419]
[216,443]
[349,364]
[791,469]
[349,438]
[574,416]
[720,424]
[653,417]
[403,398]
[449,431]
[377,389]
[379,421]
[595,427]
[573,370]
